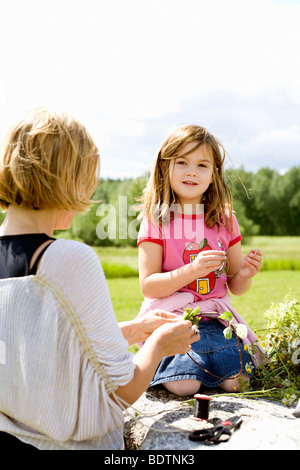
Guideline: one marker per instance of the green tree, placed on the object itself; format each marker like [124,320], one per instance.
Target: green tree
[239,183]
[265,203]
[291,197]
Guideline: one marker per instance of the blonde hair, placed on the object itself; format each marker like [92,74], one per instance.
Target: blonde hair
[158,195]
[48,160]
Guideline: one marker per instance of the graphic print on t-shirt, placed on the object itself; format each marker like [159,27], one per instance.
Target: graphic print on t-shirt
[206,284]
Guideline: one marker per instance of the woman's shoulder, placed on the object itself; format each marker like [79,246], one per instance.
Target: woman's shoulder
[71,246]
[69,254]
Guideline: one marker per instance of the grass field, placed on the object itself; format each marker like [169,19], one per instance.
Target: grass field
[270,285]
[278,253]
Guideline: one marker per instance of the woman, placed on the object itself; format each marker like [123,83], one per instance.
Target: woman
[68,373]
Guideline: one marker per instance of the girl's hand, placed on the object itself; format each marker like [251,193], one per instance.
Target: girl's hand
[208,261]
[250,264]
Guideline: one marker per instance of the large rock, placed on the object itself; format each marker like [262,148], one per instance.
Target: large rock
[265,424]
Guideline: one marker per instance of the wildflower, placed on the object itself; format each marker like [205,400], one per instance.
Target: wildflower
[245,347]
[295,357]
[288,400]
[282,344]
[249,367]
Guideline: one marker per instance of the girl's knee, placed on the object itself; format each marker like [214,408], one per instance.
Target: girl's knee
[234,385]
[183,387]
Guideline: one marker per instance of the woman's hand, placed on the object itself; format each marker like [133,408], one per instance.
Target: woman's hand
[151,321]
[141,328]
[175,338]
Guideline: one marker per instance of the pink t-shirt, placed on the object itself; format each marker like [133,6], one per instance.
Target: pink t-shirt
[183,239]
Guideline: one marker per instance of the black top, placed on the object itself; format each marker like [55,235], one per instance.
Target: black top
[16,252]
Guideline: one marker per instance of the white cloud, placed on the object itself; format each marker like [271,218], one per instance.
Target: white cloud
[280,135]
[128,69]
[277,148]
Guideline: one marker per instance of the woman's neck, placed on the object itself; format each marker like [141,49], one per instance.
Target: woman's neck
[21,220]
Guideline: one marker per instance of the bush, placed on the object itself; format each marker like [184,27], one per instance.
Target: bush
[282,344]
[113,271]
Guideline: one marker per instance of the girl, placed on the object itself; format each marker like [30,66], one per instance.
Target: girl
[190,255]
[68,373]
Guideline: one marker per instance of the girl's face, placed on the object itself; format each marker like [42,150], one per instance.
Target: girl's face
[190,175]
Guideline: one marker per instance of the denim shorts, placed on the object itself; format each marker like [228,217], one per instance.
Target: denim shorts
[213,352]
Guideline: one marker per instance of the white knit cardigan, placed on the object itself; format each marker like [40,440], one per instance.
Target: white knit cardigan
[64,354]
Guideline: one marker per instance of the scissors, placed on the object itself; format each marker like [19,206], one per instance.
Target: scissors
[217,433]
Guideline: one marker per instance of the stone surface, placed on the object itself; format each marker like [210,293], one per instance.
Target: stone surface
[265,424]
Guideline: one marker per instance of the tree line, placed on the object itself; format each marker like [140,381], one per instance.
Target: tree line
[268,200]
[265,202]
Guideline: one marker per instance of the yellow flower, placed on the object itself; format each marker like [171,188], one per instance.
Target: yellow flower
[245,347]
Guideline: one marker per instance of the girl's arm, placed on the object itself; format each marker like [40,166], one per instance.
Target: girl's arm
[156,284]
[242,268]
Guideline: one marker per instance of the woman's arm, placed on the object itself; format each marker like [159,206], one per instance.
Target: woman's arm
[242,268]
[156,284]
[167,340]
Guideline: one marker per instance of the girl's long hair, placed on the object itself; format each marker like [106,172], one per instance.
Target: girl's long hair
[158,196]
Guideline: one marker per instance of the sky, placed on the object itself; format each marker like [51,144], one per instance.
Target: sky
[132,71]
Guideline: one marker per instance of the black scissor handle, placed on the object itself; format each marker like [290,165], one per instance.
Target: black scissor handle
[201,434]
[211,434]
[216,438]
[214,433]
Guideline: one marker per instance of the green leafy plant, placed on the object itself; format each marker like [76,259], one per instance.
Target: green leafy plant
[281,341]
[279,378]
[239,328]
[192,315]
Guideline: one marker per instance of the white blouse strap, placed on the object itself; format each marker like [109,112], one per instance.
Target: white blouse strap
[84,340]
